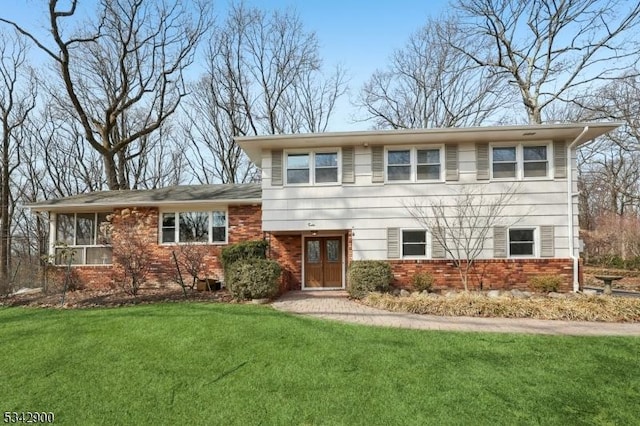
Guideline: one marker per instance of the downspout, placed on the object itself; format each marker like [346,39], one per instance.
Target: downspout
[570,195]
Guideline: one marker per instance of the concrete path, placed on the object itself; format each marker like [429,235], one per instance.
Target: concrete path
[335,305]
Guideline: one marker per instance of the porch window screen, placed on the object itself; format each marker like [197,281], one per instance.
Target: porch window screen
[82,239]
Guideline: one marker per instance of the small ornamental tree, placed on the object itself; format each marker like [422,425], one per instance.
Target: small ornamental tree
[190,259]
[131,240]
[463,225]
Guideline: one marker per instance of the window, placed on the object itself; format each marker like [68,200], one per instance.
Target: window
[194,227]
[168,227]
[428,165]
[535,161]
[399,165]
[326,167]
[312,167]
[298,168]
[83,239]
[414,243]
[219,227]
[504,162]
[412,164]
[521,242]
[517,162]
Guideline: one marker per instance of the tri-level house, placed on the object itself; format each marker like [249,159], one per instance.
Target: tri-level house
[328,199]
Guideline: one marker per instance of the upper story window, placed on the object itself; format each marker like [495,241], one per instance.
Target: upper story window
[82,239]
[312,168]
[414,164]
[326,167]
[298,168]
[535,163]
[399,165]
[519,161]
[194,227]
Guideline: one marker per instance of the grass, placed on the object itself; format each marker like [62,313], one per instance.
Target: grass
[575,308]
[191,363]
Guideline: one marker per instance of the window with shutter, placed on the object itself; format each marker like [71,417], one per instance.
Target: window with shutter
[482,161]
[547,241]
[559,159]
[276,167]
[393,243]
[499,241]
[348,165]
[377,164]
[437,249]
[451,162]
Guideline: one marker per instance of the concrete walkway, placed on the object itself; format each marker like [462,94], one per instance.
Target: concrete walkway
[335,305]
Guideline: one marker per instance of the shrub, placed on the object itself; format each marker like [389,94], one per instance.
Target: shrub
[243,251]
[633,263]
[253,279]
[545,283]
[368,275]
[422,281]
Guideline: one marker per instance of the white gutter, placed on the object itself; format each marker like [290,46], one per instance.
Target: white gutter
[572,255]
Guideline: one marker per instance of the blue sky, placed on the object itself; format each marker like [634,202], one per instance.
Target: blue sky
[360,35]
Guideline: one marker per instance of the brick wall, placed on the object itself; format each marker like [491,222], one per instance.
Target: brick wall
[93,277]
[487,274]
[287,251]
[244,224]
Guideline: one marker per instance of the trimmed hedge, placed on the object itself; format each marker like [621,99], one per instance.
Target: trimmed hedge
[253,279]
[368,275]
[242,251]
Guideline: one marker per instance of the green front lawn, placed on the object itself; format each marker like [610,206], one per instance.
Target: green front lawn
[196,363]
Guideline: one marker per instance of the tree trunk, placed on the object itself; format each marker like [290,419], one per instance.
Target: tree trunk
[111,172]
[4,215]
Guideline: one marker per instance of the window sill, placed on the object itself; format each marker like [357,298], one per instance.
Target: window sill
[220,243]
[528,179]
[83,265]
[416,182]
[310,185]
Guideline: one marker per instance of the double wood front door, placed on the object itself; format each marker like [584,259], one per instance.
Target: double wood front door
[323,262]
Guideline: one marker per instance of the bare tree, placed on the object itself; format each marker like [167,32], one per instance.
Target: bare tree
[123,73]
[18,91]
[263,76]
[551,50]
[428,83]
[131,244]
[463,226]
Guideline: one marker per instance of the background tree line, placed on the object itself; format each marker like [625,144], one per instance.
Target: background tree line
[146,94]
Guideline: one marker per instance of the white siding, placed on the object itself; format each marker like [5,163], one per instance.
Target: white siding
[368,209]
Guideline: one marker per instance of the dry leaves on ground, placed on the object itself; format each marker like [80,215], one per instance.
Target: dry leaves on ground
[577,308]
[112,298]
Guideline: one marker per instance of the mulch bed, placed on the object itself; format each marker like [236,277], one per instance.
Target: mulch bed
[112,298]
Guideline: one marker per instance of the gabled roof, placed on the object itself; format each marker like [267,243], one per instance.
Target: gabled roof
[249,193]
[253,145]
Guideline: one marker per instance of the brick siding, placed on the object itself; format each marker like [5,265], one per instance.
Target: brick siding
[244,224]
[487,274]
[287,251]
